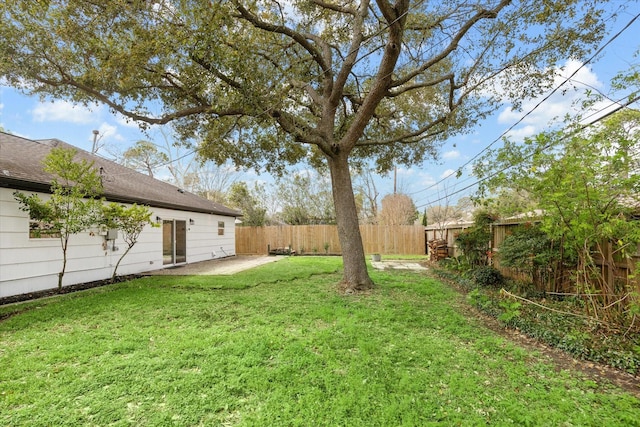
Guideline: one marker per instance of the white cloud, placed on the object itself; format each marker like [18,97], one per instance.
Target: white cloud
[425,180]
[584,77]
[450,155]
[108,132]
[64,111]
[447,173]
[522,132]
[405,172]
[535,118]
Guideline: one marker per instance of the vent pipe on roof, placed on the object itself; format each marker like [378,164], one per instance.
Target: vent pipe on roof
[94,149]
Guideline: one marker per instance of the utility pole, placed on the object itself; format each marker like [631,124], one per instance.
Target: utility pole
[395,178]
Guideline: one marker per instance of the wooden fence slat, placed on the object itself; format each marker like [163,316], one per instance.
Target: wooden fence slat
[612,270]
[402,239]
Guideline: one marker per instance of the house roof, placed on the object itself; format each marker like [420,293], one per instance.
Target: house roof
[21,168]
[460,223]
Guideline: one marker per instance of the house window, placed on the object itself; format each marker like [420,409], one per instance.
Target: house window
[42,230]
[220,228]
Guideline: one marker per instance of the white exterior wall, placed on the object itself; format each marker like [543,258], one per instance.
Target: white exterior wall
[30,265]
[203,241]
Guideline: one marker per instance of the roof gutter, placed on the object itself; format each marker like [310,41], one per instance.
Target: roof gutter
[40,187]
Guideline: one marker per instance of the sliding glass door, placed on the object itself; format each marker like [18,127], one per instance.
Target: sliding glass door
[174,242]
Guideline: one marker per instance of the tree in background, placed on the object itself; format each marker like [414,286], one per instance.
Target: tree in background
[73,206]
[211,181]
[130,221]
[172,161]
[266,197]
[305,198]
[475,242]
[397,209]
[240,197]
[442,215]
[144,157]
[192,172]
[509,202]
[268,86]
[366,195]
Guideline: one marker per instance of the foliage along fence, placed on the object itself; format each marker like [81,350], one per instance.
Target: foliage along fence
[323,239]
[612,270]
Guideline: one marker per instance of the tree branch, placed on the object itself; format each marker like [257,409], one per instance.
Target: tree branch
[409,137]
[453,44]
[163,119]
[408,88]
[175,84]
[301,39]
[295,127]
[396,17]
[213,70]
[350,60]
[335,7]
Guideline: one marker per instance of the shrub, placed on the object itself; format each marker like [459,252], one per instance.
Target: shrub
[474,242]
[487,276]
[458,264]
[531,251]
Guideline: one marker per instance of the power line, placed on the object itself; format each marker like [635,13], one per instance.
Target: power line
[579,129]
[591,114]
[459,169]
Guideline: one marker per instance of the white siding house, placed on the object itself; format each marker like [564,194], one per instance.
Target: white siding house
[191,228]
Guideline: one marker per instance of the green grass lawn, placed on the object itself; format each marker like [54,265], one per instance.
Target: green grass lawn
[278,346]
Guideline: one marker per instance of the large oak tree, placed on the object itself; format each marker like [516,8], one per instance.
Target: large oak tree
[268,83]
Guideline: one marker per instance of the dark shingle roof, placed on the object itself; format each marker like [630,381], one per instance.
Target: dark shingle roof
[21,168]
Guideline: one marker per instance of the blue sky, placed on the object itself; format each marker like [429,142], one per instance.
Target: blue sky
[29,117]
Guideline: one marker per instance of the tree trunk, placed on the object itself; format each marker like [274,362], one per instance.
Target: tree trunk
[64,240]
[356,276]
[115,269]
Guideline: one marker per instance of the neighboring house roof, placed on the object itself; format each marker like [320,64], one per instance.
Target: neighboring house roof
[459,223]
[21,168]
[534,215]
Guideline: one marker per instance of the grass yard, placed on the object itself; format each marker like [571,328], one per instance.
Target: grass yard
[277,346]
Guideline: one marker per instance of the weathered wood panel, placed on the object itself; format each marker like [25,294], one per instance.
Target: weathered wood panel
[321,239]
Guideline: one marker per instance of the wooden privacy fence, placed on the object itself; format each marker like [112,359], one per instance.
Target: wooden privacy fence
[612,270]
[323,239]
[450,232]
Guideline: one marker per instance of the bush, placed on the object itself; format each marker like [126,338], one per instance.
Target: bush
[531,251]
[487,276]
[578,336]
[458,264]
[474,241]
